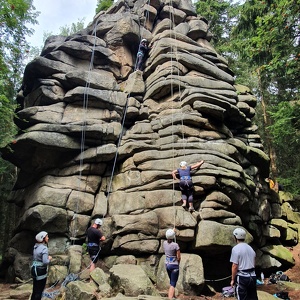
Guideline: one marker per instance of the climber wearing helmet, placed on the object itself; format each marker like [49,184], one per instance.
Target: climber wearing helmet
[39,266]
[172,252]
[142,53]
[94,236]
[243,267]
[185,183]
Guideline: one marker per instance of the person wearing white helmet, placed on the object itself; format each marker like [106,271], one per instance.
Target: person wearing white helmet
[142,53]
[172,253]
[39,267]
[94,236]
[185,182]
[243,267]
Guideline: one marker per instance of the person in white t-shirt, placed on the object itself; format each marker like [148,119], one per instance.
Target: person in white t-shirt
[243,267]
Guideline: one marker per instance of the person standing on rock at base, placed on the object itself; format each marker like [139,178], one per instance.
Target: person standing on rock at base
[243,267]
[39,267]
[94,236]
[186,184]
[142,53]
[172,252]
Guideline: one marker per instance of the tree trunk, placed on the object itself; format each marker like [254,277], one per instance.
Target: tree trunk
[267,123]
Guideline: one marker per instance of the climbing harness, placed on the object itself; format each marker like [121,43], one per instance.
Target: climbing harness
[38,270]
[170,259]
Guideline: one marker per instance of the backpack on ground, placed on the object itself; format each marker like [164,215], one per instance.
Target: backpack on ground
[282,295]
[279,276]
[228,291]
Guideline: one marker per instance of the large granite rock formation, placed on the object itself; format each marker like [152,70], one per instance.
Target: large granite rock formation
[99,139]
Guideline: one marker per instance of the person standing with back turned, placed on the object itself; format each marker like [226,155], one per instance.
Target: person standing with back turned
[172,252]
[39,267]
[243,267]
[94,236]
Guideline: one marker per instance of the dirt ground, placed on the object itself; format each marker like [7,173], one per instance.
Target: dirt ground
[293,274]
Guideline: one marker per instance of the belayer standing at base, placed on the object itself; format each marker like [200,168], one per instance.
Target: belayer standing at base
[94,236]
[243,267]
[186,184]
[39,267]
[172,252]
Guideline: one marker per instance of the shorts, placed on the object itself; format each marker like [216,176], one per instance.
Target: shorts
[187,188]
[94,253]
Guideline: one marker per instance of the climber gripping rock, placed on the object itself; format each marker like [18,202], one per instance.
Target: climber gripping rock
[142,54]
[185,184]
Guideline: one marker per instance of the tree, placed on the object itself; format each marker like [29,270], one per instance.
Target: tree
[103,5]
[15,17]
[220,15]
[260,39]
[285,132]
[267,38]
[67,30]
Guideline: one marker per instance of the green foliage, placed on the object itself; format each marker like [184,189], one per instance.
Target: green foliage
[7,210]
[285,131]
[8,129]
[260,40]
[267,37]
[220,16]
[103,5]
[73,28]
[15,17]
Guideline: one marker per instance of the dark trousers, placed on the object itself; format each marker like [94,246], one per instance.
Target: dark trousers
[38,287]
[173,273]
[246,288]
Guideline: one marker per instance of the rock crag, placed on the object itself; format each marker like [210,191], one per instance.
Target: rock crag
[100,139]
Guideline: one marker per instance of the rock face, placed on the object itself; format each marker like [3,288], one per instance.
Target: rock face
[100,139]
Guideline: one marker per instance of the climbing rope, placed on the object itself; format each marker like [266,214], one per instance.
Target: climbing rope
[123,120]
[83,129]
[220,279]
[174,50]
[71,276]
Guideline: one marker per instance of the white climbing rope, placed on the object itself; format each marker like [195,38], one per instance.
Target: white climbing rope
[174,50]
[123,121]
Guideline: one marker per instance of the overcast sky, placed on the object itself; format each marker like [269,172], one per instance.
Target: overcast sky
[57,13]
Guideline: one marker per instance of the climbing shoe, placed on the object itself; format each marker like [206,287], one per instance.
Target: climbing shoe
[191,209]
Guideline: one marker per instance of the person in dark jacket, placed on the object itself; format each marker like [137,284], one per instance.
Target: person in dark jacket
[94,236]
[142,54]
[39,267]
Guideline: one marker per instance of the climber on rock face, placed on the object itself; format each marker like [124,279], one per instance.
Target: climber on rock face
[142,54]
[186,185]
